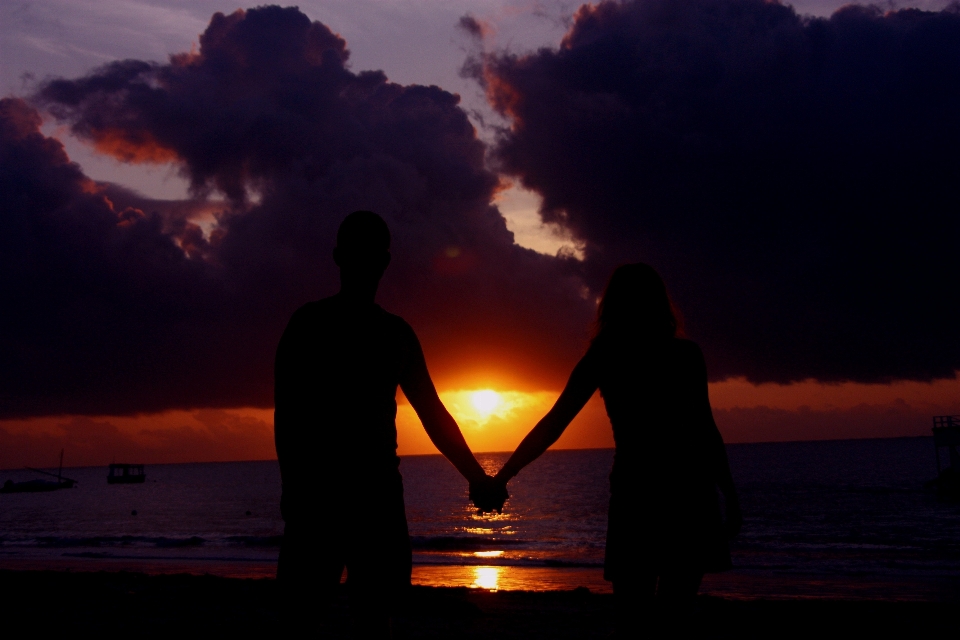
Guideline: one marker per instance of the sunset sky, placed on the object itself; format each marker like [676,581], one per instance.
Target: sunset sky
[172,181]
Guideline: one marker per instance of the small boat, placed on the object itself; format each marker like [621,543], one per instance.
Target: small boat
[122,473]
[946,435]
[38,485]
[31,486]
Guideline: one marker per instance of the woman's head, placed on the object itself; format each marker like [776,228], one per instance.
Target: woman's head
[636,303]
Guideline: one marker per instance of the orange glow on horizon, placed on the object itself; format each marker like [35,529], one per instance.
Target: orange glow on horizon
[478,407]
[175,436]
[492,418]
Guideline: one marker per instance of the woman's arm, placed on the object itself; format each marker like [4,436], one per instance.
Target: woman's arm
[580,386]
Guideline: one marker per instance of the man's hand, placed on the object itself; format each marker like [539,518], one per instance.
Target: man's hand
[488,494]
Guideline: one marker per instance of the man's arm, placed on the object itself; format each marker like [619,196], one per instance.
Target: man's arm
[437,421]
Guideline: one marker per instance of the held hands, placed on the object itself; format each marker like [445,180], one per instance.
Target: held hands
[488,494]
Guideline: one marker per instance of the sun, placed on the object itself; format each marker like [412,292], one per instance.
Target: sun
[485,401]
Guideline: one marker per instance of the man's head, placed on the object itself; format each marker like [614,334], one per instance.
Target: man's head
[363,249]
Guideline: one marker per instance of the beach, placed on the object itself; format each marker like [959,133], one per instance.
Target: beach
[155,605]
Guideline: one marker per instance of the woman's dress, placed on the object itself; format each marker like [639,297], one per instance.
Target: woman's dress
[664,505]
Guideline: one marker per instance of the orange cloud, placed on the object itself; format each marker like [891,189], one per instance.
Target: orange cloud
[502,95]
[168,437]
[737,393]
[138,147]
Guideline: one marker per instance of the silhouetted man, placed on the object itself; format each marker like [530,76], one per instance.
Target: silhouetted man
[338,366]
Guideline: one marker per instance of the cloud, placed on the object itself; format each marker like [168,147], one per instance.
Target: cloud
[476,28]
[896,419]
[118,304]
[88,284]
[794,179]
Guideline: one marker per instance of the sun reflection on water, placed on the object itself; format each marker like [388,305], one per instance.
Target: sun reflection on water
[488,516]
[486,578]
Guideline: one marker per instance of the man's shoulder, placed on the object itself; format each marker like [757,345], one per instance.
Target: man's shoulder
[306,316]
[318,306]
[397,325]
[327,309]
[315,309]
[392,318]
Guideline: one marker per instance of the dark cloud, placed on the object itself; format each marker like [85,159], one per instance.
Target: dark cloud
[472,26]
[796,180]
[95,294]
[117,304]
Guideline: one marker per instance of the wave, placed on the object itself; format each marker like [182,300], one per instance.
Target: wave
[419,543]
[460,543]
[504,561]
[101,555]
[256,541]
[161,542]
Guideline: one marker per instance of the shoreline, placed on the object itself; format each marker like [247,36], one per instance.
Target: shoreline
[153,604]
[734,585]
[487,577]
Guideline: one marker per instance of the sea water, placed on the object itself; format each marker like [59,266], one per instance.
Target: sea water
[838,519]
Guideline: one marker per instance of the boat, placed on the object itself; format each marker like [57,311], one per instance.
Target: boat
[39,484]
[946,435]
[122,473]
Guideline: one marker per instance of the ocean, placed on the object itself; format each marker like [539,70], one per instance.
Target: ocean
[832,519]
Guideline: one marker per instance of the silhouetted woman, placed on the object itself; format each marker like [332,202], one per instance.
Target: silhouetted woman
[665,525]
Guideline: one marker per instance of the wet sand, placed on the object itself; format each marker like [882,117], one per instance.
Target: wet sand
[154,605]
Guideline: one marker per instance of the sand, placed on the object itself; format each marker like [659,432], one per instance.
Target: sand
[49,602]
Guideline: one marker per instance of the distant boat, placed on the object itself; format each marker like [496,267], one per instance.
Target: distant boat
[126,474]
[946,435]
[38,485]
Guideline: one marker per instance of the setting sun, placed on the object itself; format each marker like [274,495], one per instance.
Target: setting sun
[493,419]
[485,401]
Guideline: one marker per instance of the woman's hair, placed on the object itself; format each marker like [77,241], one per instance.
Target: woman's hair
[635,303]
